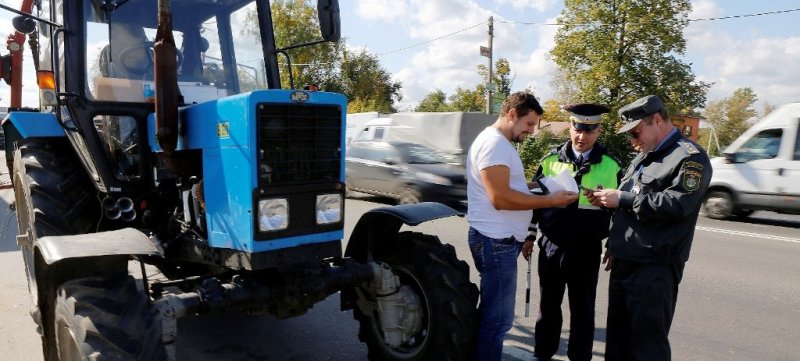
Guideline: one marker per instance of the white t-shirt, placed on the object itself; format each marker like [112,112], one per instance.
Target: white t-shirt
[491,148]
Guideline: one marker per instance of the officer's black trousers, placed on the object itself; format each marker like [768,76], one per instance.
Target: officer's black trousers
[641,303]
[576,271]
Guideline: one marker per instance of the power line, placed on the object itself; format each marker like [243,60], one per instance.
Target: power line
[563,24]
[412,45]
[576,24]
[432,40]
[690,20]
[746,15]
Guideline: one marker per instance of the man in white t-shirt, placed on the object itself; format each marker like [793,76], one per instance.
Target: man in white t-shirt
[499,211]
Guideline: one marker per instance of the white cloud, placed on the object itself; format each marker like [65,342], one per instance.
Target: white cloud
[386,10]
[767,65]
[701,34]
[539,5]
[446,63]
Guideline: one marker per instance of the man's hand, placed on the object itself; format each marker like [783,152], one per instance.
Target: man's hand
[608,259]
[561,199]
[608,198]
[527,249]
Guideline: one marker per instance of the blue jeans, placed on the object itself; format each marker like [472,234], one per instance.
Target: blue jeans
[496,261]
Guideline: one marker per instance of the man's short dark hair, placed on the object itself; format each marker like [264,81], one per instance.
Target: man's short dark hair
[523,102]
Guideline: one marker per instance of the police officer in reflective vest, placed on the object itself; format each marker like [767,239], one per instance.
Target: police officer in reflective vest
[652,227]
[570,245]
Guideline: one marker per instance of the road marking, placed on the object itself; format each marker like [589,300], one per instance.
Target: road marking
[750,234]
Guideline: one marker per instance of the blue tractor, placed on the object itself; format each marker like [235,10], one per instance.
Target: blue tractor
[164,141]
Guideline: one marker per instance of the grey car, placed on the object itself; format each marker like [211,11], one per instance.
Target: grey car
[407,172]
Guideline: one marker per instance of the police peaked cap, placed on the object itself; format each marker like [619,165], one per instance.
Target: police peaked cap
[633,113]
[586,116]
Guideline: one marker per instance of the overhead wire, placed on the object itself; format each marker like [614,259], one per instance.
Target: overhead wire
[560,24]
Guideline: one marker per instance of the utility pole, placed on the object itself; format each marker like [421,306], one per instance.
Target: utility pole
[489,83]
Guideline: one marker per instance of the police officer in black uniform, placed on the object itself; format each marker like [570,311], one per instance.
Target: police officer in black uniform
[656,209]
[571,241]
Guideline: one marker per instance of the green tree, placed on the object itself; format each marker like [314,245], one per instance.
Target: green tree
[296,22]
[616,51]
[729,117]
[501,77]
[767,108]
[363,77]
[565,91]
[356,74]
[466,100]
[533,149]
[553,112]
[435,101]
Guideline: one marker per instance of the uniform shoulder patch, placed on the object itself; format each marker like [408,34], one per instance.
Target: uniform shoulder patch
[690,148]
[691,180]
[692,165]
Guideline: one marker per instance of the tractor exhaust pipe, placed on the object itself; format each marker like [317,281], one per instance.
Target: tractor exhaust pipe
[166,81]
[122,208]
[111,208]
[127,211]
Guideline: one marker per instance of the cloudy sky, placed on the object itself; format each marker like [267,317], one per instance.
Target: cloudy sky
[761,52]
[434,44]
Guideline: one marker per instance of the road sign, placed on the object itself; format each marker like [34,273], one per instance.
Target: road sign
[486,51]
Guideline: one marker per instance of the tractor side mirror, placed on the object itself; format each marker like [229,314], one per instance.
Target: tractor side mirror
[329,19]
[24,24]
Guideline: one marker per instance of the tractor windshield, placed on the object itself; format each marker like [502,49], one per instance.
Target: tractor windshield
[219,51]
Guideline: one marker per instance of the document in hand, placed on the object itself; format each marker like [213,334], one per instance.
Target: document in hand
[562,181]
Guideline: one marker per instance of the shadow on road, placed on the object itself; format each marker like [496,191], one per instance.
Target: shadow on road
[8,228]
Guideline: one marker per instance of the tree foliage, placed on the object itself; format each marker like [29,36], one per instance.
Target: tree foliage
[614,52]
[466,100]
[553,112]
[356,74]
[363,77]
[501,77]
[435,101]
[471,100]
[533,149]
[729,117]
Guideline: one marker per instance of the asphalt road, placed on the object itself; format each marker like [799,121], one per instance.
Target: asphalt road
[739,300]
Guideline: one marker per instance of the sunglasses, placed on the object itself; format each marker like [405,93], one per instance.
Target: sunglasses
[637,130]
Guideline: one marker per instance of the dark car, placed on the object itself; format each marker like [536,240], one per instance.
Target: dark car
[407,172]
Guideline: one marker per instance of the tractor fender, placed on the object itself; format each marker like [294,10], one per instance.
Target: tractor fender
[383,223]
[126,241]
[34,125]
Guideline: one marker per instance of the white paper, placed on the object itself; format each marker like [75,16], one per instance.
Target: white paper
[561,182]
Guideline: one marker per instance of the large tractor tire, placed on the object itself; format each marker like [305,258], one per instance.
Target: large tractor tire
[106,318]
[53,196]
[448,300]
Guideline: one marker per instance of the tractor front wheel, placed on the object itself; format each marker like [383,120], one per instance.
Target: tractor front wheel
[441,319]
[105,318]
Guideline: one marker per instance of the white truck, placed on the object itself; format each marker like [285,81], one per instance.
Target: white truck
[356,121]
[760,170]
[449,132]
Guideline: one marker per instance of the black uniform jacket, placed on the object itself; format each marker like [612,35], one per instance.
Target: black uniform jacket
[659,204]
[574,227]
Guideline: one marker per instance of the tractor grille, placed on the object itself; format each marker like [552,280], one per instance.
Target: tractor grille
[298,144]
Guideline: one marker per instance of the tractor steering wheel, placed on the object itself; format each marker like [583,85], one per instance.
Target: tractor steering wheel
[137,65]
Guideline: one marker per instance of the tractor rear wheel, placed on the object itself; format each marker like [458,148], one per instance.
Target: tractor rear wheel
[447,315]
[53,197]
[105,318]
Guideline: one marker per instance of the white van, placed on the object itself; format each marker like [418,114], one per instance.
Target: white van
[760,169]
[375,129]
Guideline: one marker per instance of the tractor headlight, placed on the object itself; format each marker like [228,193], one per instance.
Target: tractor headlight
[329,208]
[273,214]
